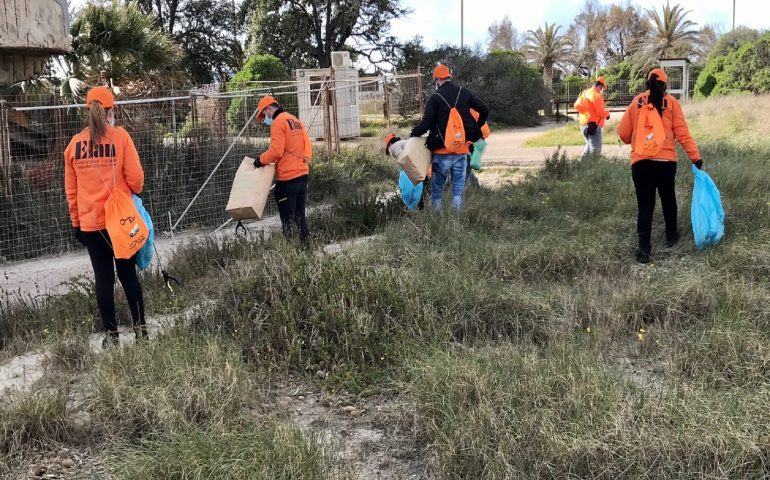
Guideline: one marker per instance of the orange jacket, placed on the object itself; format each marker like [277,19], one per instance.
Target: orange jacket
[290,147]
[674,124]
[590,106]
[88,179]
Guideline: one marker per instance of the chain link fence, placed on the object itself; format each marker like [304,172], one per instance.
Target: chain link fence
[190,145]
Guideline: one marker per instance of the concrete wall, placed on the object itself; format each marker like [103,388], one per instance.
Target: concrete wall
[31,31]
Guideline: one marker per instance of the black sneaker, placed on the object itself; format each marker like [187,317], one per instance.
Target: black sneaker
[672,239]
[111,339]
[642,256]
[141,333]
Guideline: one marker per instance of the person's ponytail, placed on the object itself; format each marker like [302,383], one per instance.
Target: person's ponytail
[657,90]
[97,123]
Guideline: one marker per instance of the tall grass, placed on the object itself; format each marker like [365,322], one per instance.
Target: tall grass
[261,452]
[173,384]
[563,412]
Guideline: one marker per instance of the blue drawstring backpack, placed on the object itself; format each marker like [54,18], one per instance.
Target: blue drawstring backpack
[708,217]
[144,256]
[410,193]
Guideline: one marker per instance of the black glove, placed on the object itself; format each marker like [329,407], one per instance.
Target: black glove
[591,128]
[78,235]
[471,147]
[258,164]
[698,164]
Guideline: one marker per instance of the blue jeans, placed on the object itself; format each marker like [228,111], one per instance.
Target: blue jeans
[593,142]
[443,166]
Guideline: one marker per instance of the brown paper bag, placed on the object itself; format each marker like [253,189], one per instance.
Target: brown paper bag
[415,159]
[251,187]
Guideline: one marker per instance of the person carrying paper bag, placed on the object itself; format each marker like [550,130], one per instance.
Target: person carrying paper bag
[290,151]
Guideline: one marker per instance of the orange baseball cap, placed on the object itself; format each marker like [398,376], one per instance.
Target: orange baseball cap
[602,80]
[660,73]
[388,138]
[103,95]
[265,102]
[441,72]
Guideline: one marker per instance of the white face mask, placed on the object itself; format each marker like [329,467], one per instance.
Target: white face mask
[112,121]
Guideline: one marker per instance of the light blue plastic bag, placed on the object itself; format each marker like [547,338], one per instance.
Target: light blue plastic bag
[144,256]
[708,217]
[410,194]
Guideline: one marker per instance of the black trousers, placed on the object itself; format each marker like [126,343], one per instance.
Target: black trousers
[652,176]
[104,263]
[291,197]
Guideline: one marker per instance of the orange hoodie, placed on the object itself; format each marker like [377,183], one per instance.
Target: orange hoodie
[88,178]
[290,147]
[674,124]
[590,106]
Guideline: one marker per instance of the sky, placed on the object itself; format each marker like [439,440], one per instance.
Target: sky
[438,21]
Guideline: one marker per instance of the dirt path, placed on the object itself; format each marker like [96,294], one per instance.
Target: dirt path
[51,275]
[507,160]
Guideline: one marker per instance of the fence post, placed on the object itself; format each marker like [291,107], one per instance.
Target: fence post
[335,119]
[386,101]
[419,88]
[5,149]
[327,122]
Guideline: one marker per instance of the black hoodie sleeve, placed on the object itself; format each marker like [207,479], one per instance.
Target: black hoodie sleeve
[428,119]
[480,107]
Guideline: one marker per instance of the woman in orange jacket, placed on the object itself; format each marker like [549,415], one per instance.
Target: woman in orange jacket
[99,159]
[291,150]
[656,172]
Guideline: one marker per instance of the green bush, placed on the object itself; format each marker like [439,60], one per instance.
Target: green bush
[258,68]
[740,63]
[513,90]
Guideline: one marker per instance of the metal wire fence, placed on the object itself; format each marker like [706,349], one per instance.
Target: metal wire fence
[190,144]
[618,94]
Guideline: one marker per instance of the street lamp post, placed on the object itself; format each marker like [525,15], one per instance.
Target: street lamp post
[462,26]
[733,14]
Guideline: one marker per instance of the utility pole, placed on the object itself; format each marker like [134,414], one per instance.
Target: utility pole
[733,14]
[462,19]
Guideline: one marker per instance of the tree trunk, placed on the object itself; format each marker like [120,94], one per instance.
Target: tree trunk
[548,80]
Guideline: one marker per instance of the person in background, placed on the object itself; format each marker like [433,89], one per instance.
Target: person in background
[434,122]
[659,172]
[291,150]
[97,160]
[592,115]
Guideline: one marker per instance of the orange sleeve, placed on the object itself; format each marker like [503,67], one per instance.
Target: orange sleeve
[626,126]
[581,104]
[603,112]
[596,108]
[682,132]
[71,184]
[277,143]
[132,168]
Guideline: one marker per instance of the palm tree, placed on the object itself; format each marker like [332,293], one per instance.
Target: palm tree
[546,48]
[667,34]
[115,44]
